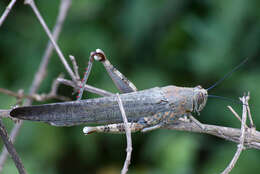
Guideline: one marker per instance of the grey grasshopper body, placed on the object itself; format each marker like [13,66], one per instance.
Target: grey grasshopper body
[145,110]
[155,106]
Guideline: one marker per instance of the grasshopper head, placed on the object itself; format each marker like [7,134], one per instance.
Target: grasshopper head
[199,98]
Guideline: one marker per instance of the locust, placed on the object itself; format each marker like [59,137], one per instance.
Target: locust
[145,110]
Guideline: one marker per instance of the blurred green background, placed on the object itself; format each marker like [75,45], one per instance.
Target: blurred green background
[153,43]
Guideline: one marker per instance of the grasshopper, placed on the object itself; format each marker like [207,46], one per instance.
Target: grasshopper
[145,110]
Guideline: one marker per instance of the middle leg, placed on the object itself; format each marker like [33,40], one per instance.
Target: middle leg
[144,124]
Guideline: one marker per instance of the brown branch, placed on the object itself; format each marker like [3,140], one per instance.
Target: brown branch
[64,6]
[252,137]
[38,97]
[128,136]
[14,94]
[6,12]
[10,148]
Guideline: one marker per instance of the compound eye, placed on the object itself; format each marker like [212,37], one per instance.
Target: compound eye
[200,99]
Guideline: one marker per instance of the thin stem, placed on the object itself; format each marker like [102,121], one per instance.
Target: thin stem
[128,136]
[46,29]
[235,114]
[11,93]
[39,76]
[6,12]
[89,88]
[242,137]
[64,6]
[75,67]
[249,114]
[10,147]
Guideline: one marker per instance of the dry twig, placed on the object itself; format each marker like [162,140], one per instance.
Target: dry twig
[249,116]
[10,147]
[39,76]
[75,67]
[240,146]
[234,112]
[87,87]
[37,97]
[6,12]
[13,135]
[64,6]
[128,136]
[55,45]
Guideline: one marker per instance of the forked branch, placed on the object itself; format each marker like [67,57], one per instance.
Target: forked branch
[240,146]
[38,97]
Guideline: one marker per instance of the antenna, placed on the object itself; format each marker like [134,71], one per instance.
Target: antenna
[228,74]
[225,98]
